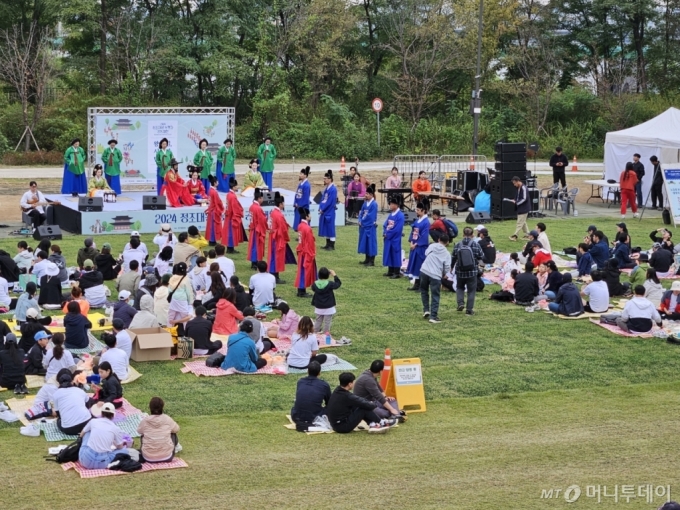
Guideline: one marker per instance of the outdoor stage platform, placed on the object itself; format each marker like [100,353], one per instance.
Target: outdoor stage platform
[126,215]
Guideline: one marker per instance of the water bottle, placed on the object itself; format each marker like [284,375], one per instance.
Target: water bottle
[328,338]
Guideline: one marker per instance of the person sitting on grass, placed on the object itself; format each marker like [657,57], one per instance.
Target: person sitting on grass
[109,388]
[115,356]
[367,386]
[513,263]
[305,346]
[262,285]
[653,289]
[241,351]
[77,296]
[661,260]
[129,280]
[12,366]
[612,275]
[200,330]
[36,354]
[160,301]
[91,282]
[158,434]
[122,309]
[553,282]
[287,325]
[323,300]
[540,254]
[311,397]
[599,251]
[585,260]
[70,406]
[568,300]
[346,411]
[526,286]
[102,440]
[543,237]
[621,253]
[664,237]
[670,303]
[242,298]
[227,315]
[26,302]
[639,314]
[106,264]
[145,318]
[57,358]
[258,334]
[637,275]
[597,293]
[42,404]
[76,326]
[88,251]
[31,327]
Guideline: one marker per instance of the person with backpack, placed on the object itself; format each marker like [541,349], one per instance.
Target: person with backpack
[437,263]
[442,225]
[466,257]
[102,440]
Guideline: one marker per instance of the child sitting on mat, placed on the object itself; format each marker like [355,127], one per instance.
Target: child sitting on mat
[287,325]
[257,334]
[109,388]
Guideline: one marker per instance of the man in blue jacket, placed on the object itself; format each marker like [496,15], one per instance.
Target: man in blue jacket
[599,251]
[568,301]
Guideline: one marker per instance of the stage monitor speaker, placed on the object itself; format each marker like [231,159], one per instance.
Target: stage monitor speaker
[153,203]
[511,147]
[50,232]
[478,217]
[90,204]
[410,217]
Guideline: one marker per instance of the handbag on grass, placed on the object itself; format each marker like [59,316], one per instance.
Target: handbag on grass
[185,347]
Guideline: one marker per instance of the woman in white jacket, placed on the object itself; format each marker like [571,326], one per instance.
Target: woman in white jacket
[653,288]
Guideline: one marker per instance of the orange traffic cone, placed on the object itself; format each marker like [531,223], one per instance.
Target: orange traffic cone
[574,166]
[386,371]
[472,163]
[342,165]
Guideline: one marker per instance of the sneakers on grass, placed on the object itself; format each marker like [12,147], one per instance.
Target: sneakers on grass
[8,416]
[178,448]
[377,428]
[426,315]
[3,407]
[435,320]
[30,431]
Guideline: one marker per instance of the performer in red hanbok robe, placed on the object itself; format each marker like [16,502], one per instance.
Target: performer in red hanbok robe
[213,214]
[278,238]
[232,233]
[306,250]
[175,188]
[195,185]
[258,230]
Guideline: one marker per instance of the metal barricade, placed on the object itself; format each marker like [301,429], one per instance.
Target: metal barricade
[411,165]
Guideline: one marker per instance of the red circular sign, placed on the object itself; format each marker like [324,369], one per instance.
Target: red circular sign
[377,105]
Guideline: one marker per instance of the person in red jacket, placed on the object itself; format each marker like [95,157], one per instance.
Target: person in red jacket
[233,232]
[213,214]
[278,239]
[306,251]
[227,315]
[258,230]
[627,182]
[541,255]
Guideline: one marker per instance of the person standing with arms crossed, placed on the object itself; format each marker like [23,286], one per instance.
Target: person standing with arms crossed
[657,183]
[266,153]
[640,172]
[559,164]
[522,206]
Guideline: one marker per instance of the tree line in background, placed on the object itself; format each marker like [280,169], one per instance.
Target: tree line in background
[304,71]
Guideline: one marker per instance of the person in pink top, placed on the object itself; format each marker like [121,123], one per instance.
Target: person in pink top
[393,181]
[287,325]
[159,434]
[227,316]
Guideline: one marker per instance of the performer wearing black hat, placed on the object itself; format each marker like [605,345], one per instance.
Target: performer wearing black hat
[163,158]
[233,233]
[111,157]
[327,211]
[393,229]
[213,214]
[278,238]
[75,181]
[258,230]
[368,235]
[302,196]
[306,252]
[418,240]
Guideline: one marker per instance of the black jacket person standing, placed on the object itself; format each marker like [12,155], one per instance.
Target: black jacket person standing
[639,169]
[559,164]
[657,183]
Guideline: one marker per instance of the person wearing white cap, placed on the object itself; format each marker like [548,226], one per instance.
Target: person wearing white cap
[102,440]
[165,237]
[50,287]
[478,229]
[135,235]
[122,309]
[670,303]
[26,302]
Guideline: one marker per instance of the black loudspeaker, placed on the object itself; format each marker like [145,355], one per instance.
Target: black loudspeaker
[666,216]
[90,204]
[503,189]
[410,217]
[153,203]
[503,210]
[268,198]
[467,181]
[511,157]
[534,198]
[507,176]
[511,147]
[478,217]
[50,232]
[450,185]
[515,166]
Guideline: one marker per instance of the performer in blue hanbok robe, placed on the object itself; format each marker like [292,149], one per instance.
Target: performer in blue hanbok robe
[419,239]
[393,229]
[368,230]
[302,196]
[329,203]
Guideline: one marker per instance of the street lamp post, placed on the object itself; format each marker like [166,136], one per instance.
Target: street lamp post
[476,102]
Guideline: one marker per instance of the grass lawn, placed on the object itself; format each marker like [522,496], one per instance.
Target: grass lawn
[517,403]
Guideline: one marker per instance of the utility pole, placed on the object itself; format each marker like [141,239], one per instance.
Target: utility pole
[476,102]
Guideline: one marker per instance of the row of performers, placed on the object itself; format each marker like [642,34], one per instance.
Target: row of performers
[75,182]
[276,226]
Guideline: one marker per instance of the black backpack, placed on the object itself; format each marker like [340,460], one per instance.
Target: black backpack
[215,360]
[466,258]
[68,454]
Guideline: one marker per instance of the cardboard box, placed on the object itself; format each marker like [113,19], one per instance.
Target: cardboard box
[150,344]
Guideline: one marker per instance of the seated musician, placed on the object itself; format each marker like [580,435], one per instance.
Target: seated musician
[355,189]
[195,185]
[32,203]
[252,180]
[421,185]
[393,181]
[97,185]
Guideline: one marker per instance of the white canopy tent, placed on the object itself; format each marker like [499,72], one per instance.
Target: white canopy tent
[658,137]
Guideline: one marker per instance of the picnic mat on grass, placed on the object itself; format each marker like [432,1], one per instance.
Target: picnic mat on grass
[57,325]
[340,365]
[94,346]
[32,381]
[146,466]
[133,375]
[128,424]
[618,331]
[19,406]
[585,315]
